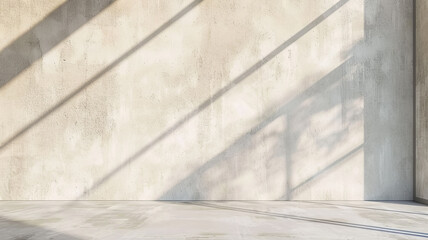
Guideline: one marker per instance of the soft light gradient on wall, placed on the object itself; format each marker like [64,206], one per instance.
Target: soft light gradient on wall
[215,100]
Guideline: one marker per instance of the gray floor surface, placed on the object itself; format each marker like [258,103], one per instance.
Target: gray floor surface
[213,220]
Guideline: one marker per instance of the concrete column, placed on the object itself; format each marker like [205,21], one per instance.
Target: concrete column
[421,51]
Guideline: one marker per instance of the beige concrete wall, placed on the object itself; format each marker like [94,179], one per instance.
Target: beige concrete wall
[421,101]
[206,99]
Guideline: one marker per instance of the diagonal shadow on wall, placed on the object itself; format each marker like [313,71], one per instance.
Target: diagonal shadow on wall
[46,34]
[216,96]
[246,141]
[61,103]
[328,168]
[375,89]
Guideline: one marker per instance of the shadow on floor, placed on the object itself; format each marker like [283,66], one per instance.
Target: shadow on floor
[16,230]
[372,208]
[314,220]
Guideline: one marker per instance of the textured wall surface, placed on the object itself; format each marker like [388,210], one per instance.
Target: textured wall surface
[206,99]
[421,100]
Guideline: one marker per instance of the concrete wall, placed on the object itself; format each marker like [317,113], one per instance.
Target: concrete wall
[206,99]
[421,50]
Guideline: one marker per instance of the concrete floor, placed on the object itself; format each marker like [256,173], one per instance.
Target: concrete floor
[212,220]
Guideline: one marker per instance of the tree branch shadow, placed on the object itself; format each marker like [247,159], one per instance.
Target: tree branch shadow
[245,139]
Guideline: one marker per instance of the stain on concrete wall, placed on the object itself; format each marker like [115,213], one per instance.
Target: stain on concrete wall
[421,101]
[206,100]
